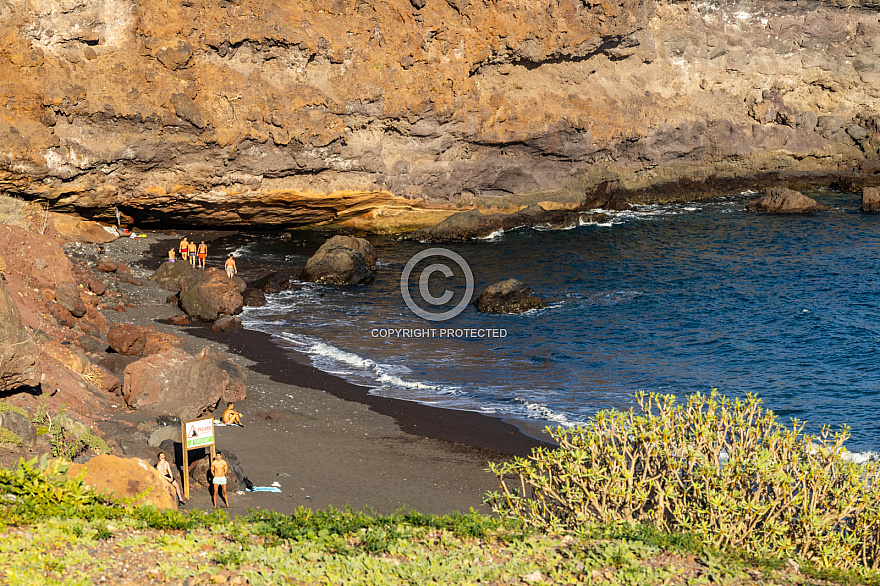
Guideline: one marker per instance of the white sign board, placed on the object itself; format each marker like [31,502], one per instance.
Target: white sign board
[199,433]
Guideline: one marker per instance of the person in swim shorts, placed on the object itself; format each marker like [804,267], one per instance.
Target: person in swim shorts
[219,468]
[164,469]
[171,255]
[230,267]
[184,249]
[203,254]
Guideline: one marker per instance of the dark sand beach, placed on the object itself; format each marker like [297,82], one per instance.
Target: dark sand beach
[324,440]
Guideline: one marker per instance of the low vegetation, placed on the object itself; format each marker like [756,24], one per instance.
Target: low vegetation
[17,212]
[578,515]
[726,471]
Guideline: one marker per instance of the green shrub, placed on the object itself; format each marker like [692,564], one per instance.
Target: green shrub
[10,437]
[69,437]
[724,471]
[41,489]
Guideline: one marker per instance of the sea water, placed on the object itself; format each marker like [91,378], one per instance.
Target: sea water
[672,299]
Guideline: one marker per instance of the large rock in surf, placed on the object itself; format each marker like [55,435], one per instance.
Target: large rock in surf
[253,298]
[510,296]
[342,260]
[277,281]
[169,274]
[210,294]
[870,199]
[174,382]
[126,478]
[132,340]
[476,224]
[777,200]
[19,364]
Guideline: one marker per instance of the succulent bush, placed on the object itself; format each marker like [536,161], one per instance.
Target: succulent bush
[726,471]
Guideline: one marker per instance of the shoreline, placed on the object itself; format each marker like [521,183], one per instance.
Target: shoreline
[476,430]
[324,440]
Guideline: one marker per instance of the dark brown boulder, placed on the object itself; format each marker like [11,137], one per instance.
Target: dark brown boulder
[67,296]
[253,298]
[342,260]
[510,296]
[870,199]
[131,340]
[777,200]
[275,282]
[209,294]
[97,286]
[169,274]
[174,382]
[226,323]
[19,364]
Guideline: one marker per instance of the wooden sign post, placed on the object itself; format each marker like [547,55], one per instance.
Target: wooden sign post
[197,433]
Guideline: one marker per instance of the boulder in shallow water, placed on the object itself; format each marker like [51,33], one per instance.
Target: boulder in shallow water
[253,298]
[778,200]
[870,199]
[510,296]
[342,260]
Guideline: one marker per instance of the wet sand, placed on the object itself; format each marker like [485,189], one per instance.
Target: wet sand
[329,442]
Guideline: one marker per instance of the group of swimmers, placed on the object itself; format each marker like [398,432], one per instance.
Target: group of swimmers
[197,254]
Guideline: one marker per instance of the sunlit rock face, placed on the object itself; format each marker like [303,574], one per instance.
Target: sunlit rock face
[391,115]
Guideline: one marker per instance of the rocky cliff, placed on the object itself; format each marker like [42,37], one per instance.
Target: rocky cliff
[384,115]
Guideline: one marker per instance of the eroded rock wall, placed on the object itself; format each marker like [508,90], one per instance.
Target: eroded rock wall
[381,115]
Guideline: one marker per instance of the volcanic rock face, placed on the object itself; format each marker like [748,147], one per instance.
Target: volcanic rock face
[19,364]
[371,115]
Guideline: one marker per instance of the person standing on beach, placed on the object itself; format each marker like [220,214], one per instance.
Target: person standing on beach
[184,249]
[203,254]
[171,255]
[219,468]
[164,469]
[231,269]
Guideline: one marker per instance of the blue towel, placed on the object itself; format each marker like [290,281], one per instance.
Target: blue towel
[264,489]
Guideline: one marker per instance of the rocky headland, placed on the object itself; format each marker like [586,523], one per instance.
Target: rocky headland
[391,116]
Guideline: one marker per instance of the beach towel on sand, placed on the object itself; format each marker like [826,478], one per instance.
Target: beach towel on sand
[264,489]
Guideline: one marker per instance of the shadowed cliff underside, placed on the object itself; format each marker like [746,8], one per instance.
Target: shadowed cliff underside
[389,116]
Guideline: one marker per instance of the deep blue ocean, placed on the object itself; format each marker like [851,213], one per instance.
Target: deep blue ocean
[674,299]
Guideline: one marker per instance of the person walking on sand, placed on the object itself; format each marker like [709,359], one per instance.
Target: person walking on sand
[219,468]
[203,254]
[231,269]
[231,416]
[164,469]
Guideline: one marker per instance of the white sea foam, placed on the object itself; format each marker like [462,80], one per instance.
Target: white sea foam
[496,235]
